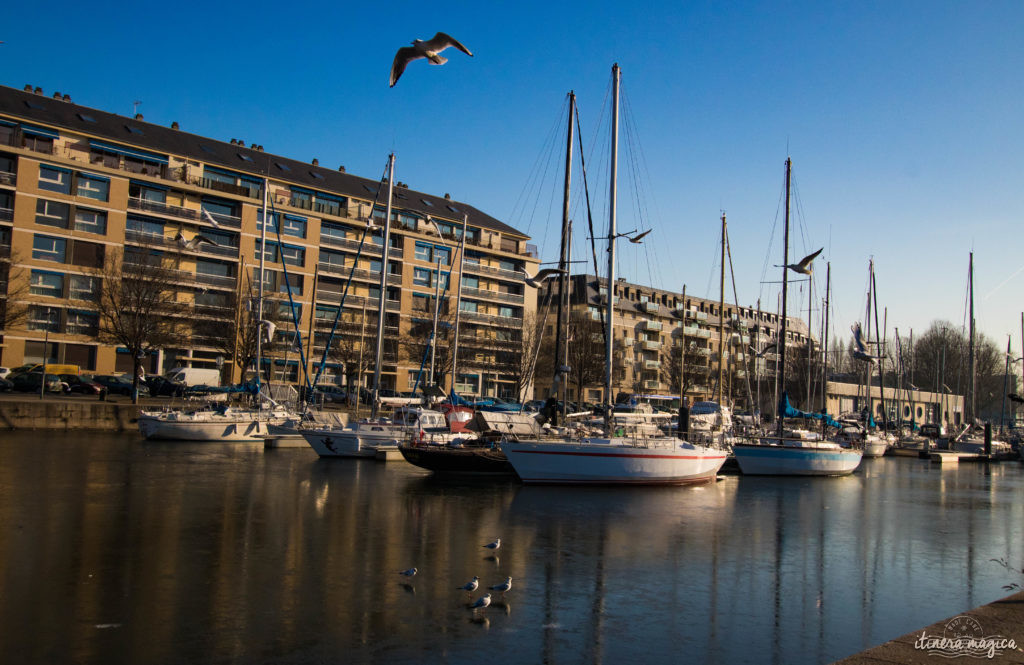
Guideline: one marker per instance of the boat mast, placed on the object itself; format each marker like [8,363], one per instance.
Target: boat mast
[880,348]
[682,354]
[612,196]
[971,385]
[780,376]
[559,380]
[458,300]
[824,341]
[383,286]
[259,292]
[721,319]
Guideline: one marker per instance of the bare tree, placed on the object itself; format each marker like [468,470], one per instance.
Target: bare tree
[138,306]
[694,372]
[586,351]
[525,360]
[14,291]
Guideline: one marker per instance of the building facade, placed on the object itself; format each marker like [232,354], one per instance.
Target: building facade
[78,186]
[650,328]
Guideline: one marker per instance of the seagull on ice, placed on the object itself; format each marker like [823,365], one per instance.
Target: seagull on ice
[804,267]
[537,280]
[408,573]
[503,587]
[860,352]
[194,243]
[482,602]
[470,586]
[429,49]
[495,545]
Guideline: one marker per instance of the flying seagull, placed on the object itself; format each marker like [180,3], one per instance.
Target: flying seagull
[503,587]
[541,275]
[268,328]
[638,237]
[194,243]
[209,218]
[482,602]
[495,545]
[470,586]
[860,352]
[766,349]
[408,573]
[429,49]
[804,267]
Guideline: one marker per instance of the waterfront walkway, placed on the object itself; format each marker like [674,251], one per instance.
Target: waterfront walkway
[1000,622]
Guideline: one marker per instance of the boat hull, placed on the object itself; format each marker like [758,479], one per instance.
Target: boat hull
[349,442]
[159,428]
[787,460]
[471,460]
[875,448]
[612,462]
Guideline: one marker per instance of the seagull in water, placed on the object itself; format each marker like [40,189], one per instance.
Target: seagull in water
[537,280]
[503,587]
[408,573]
[804,267]
[194,243]
[495,545]
[429,49]
[470,586]
[482,602]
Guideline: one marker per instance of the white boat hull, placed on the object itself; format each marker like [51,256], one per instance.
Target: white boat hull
[977,447]
[875,448]
[808,459]
[180,427]
[613,461]
[349,442]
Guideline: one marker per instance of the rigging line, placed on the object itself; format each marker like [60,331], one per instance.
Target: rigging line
[771,239]
[288,286]
[590,217]
[538,173]
[351,274]
[640,192]
[736,299]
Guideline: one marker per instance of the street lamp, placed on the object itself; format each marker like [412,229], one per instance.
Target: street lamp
[46,347]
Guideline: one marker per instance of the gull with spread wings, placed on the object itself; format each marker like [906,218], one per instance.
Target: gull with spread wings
[429,49]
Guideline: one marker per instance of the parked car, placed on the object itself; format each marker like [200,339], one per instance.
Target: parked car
[6,386]
[5,372]
[159,385]
[330,393]
[80,385]
[28,382]
[119,385]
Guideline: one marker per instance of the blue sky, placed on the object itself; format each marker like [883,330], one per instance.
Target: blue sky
[903,120]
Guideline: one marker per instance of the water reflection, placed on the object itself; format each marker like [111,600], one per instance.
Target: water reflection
[121,552]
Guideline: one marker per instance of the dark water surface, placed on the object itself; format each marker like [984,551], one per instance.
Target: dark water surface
[119,551]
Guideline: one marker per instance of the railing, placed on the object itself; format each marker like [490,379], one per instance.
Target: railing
[491,270]
[648,345]
[214,311]
[495,295]
[651,325]
[368,247]
[182,212]
[215,280]
[506,321]
[652,364]
[218,186]
[7,178]
[6,214]
[651,385]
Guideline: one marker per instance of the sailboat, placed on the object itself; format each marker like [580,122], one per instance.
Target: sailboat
[227,423]
[782,455]
[638,459]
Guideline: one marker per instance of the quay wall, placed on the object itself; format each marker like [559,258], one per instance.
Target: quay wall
[69,415]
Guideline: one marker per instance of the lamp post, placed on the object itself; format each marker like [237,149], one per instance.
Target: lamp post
[46,355]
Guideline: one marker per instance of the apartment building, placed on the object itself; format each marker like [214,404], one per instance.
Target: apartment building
[79,185]
[650,328]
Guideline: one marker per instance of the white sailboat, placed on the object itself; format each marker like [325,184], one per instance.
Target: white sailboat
[782,455]
[640,459]
[226,423]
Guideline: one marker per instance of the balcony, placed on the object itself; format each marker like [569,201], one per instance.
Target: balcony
[651,307]
[648,345]
[6,215]
[651,325]
[652,364]
[479,269]
[493,295]
[740,339]
[650,384]
[353,245]
[218,281]
[702,333]
[8,178]
[698,316]
[227,188]
[504,321]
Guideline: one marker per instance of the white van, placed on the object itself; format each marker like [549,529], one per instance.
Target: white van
[194,376]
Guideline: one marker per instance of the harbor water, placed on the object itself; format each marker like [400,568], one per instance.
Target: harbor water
[116,550]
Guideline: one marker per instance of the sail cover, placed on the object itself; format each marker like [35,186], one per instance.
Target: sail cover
[786,410]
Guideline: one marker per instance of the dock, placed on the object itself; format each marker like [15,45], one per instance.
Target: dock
[996,629]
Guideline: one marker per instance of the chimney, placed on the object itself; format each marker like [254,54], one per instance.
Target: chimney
[241,143]
[174,125]
[56,95]
[447,196]
[234,141]
[316,162]
[67,98]
[342,168]
[28,87]
[39,90]
[138,116]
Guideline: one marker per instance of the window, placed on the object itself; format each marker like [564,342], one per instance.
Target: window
[226,208]
[52,213]
[88,254]
[443,254]
[376,265]
[294,226]
[83,287]
[325,312]
[54,180]
[421,303]
[50,284]
[138,190]
[93,187]
[216,268]
[222,238]
[271,225]
[424,252]
[421,277]
[468,306]
[8,164]
[508,312]
[505,264]
[269,254]
[43,318]
[145,225]
[328,204]
[91,221]
[470,282]
[331,258]
[301,198]
[48,248]
[295,281]
[82,323]
[333,230]
[293,256]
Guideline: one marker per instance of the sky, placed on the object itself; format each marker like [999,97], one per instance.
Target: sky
[903,121]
